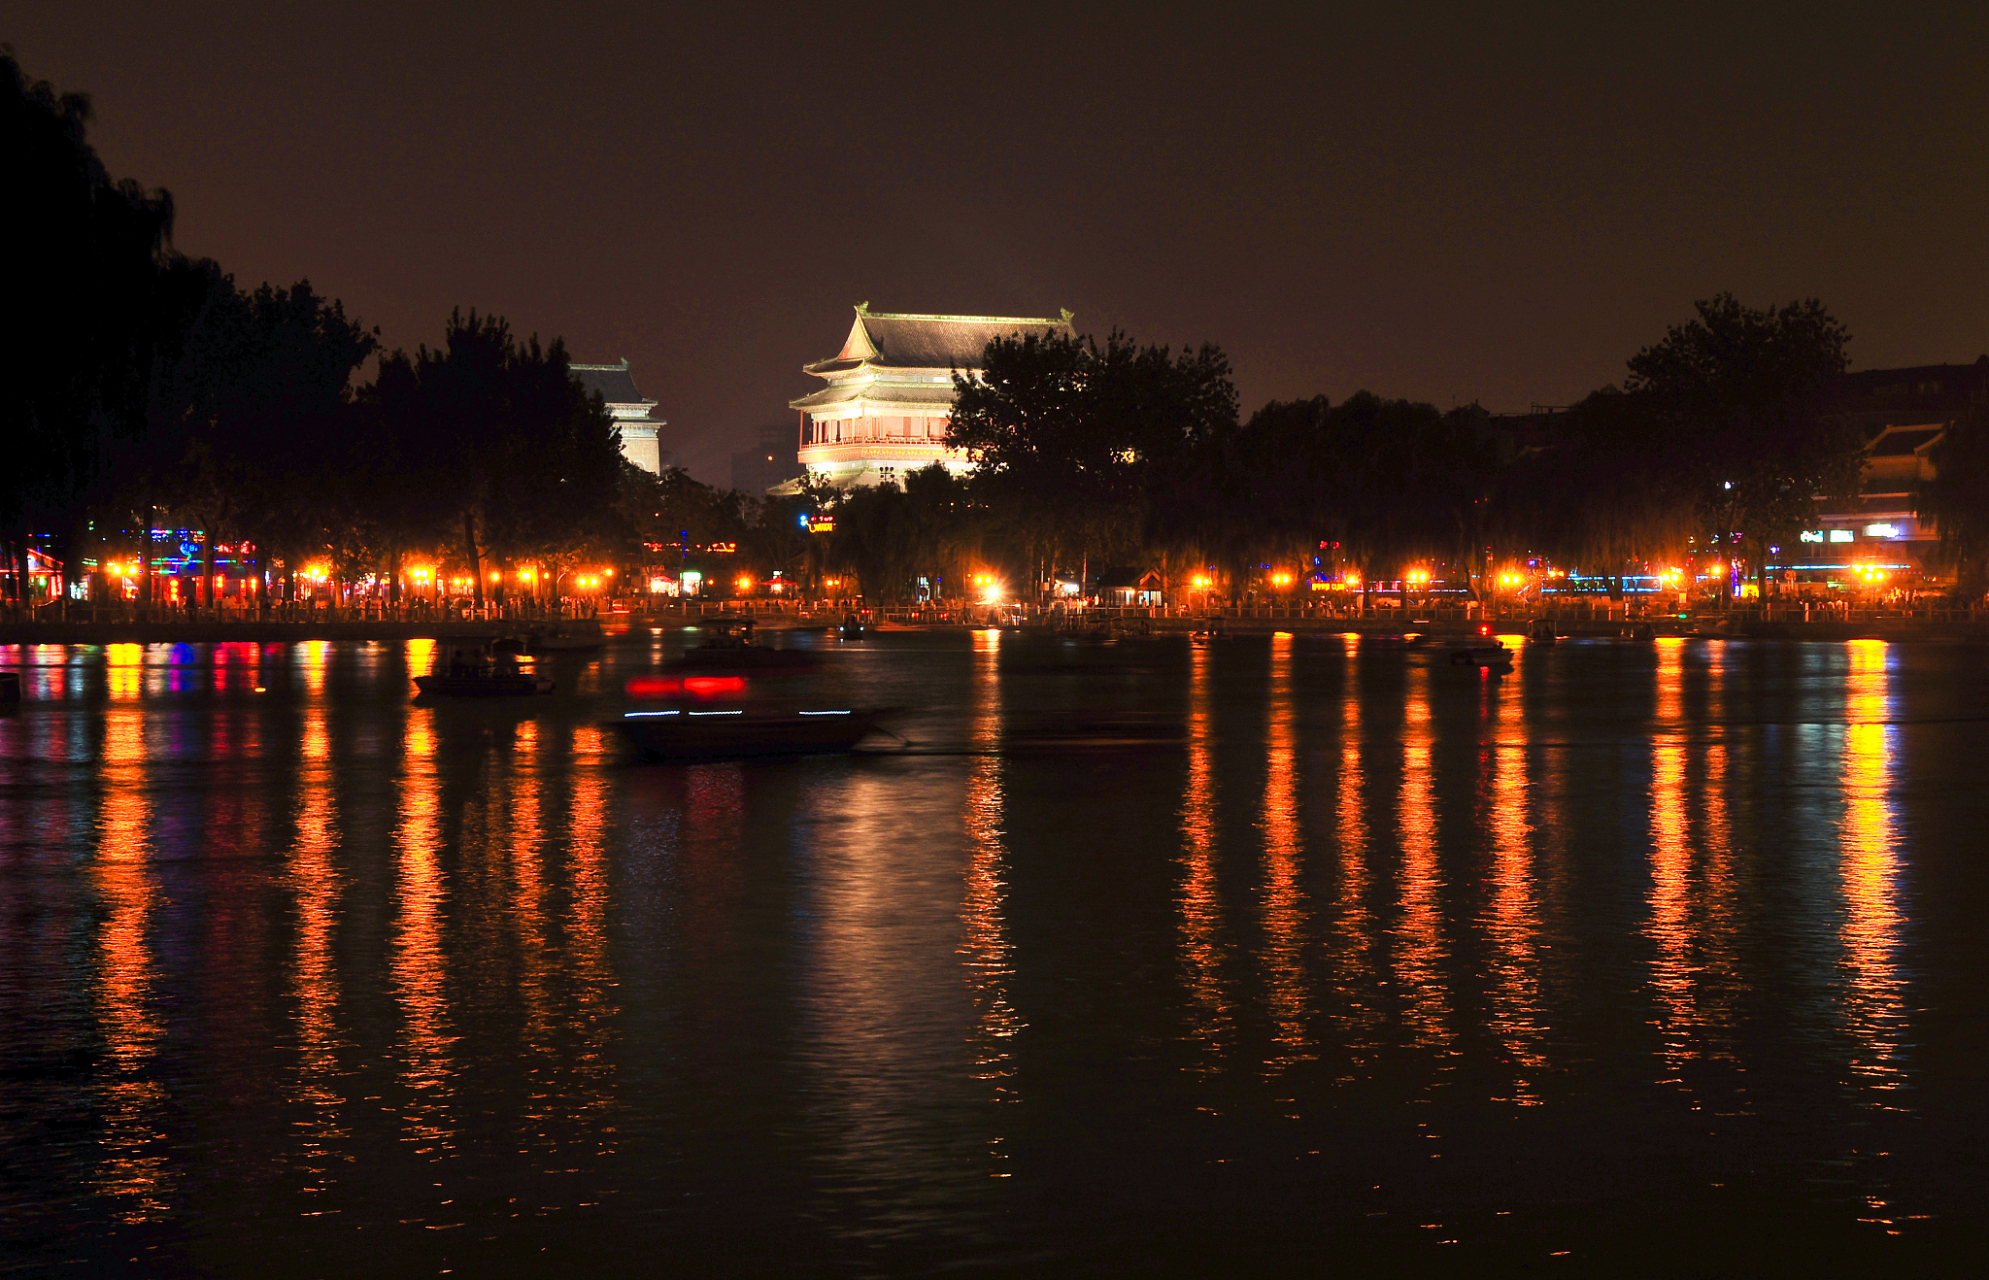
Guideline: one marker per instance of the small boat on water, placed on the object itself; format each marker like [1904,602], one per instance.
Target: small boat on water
[1490,657]
[1541,631]
[479,671]
[730,697]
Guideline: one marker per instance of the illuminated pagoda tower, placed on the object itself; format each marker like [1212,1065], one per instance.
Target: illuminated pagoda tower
[630,410]
[890,392]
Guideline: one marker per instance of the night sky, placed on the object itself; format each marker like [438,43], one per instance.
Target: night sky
[1498,202]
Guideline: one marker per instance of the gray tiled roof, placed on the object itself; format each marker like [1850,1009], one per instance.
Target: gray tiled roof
[919,343]
[614,382]
[890,341]
[938,396]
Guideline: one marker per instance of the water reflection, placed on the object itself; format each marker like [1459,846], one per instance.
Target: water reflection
[1419,959]
[418,964]
[1359,1015]
[1692,912]
[1200,926]
[1513,906]
[984,943]
[1670,926]
[589,1059]
[1874,990]
[316,884]
[124,671]
[133,1168]
[1283,906]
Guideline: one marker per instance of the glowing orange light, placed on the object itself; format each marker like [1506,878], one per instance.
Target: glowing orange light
[743,582]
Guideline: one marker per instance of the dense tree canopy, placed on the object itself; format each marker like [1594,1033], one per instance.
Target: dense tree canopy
[1079,440]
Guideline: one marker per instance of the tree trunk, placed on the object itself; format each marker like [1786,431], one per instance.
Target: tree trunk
[145,560]
[476,561]
[207,571]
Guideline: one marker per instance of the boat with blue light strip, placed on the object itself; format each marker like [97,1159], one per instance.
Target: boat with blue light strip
[730,697]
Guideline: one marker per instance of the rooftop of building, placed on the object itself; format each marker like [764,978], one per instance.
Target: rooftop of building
[614,383]
[888,340]
[1916,388]
[1897,442]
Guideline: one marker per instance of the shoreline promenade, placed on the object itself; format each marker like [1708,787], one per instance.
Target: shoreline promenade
[1943,626]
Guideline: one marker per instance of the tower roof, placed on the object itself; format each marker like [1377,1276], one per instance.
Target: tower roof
[887,340]
[614,382]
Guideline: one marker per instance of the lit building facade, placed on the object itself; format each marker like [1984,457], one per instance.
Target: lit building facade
[890,393]
[631,412]
[1903,413]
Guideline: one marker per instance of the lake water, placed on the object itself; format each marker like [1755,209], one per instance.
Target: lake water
[1641,955]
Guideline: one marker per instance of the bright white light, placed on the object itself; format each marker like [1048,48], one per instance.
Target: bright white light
[1840,535]
[1880,531]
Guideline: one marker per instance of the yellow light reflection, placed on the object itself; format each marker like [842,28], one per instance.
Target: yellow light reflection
[1200,931]
[124,671]
[315,657]
[1874,995]
[132,1170]
[1283,907]
[984,944]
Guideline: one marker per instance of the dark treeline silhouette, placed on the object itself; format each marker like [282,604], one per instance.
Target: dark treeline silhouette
[145,386]
[1720,440]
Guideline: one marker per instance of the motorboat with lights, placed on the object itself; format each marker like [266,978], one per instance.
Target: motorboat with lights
[479,671]
[730,697]
[1489,657]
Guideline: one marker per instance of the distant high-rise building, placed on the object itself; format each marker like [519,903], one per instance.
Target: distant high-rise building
[774,463]
[890,393]
[631,411]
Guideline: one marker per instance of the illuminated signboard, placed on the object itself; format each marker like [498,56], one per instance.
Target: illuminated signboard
[1880,531]
[1840,535]
[1812,535]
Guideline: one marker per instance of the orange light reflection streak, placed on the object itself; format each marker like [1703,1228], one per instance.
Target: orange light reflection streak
[1514,907]
[1419,951]
[1201,928]
[1283,902]
[132,1170]
[984,943]
[417,964]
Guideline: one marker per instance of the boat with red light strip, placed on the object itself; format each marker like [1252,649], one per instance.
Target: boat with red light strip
[730,697]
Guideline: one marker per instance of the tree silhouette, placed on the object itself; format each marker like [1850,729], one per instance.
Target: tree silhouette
[82,301]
